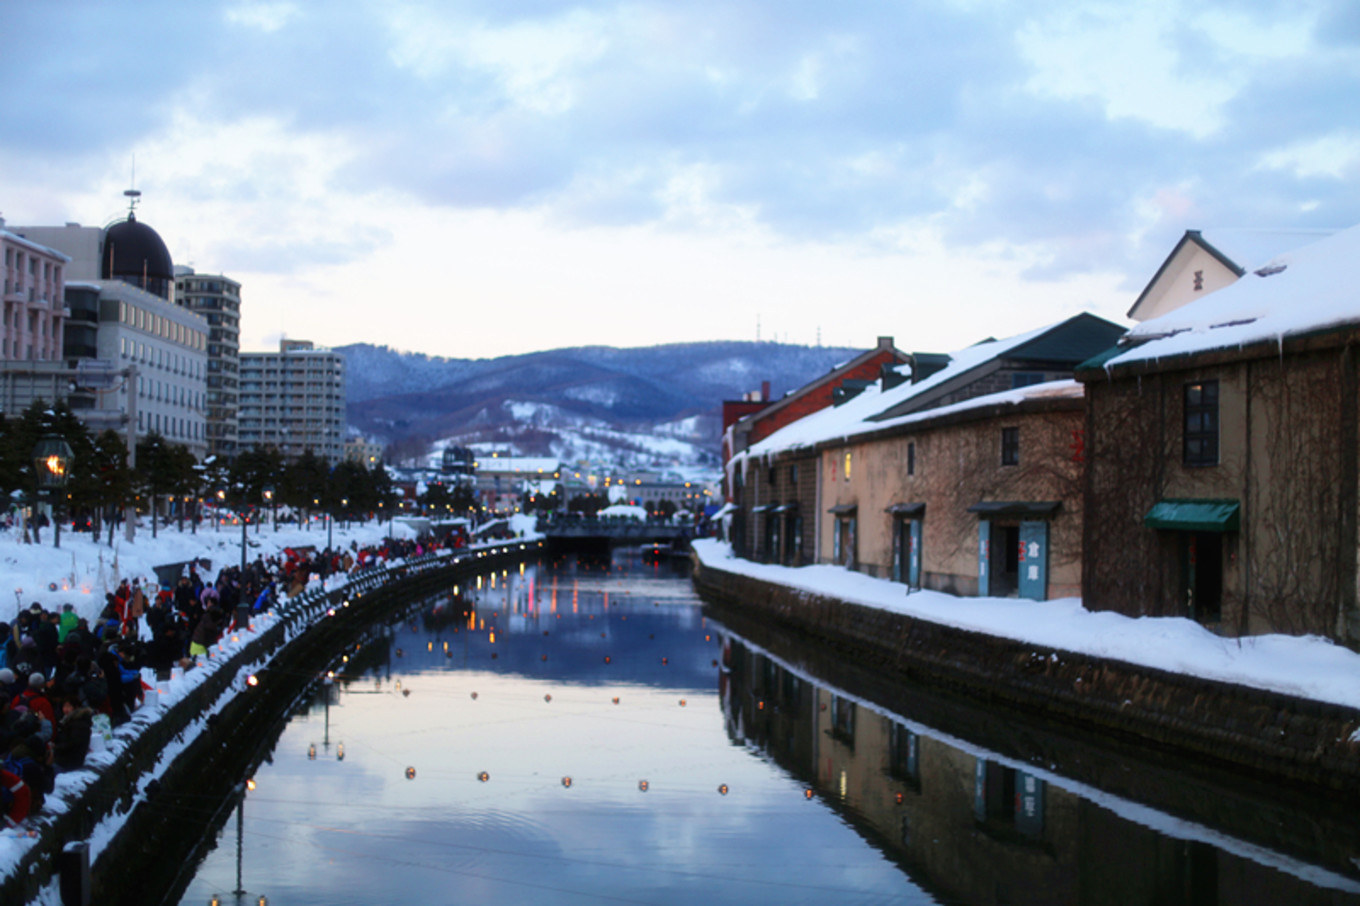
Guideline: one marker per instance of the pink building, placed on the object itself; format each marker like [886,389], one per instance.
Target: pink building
[34,309]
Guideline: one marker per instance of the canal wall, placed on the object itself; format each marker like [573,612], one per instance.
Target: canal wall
[127,809]
[1275,738]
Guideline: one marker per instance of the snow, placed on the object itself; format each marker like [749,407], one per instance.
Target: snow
[1314,290]
[83,570]
[1305,666]
[1249,248]
[625,511]
[853,416]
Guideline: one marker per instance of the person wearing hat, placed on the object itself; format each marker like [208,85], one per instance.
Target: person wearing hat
[34,699]
[69,621]
[9,686]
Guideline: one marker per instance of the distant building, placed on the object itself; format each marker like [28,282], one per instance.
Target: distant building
[218,300]
[293,400]
[367,454]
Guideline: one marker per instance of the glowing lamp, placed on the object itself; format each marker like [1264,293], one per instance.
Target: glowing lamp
[643,785]
[483,776]
[340,752]
[722,788]
[410,773]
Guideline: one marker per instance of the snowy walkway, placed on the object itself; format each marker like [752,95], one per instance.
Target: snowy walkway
[1308,667]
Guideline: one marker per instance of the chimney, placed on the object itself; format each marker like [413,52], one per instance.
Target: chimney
[885,342]
[890,376]
[764,391]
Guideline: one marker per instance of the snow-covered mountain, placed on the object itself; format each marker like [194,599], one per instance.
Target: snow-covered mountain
[651,406]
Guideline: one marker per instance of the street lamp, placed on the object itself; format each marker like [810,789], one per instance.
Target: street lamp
[52,463]
[269,500]
[217,514]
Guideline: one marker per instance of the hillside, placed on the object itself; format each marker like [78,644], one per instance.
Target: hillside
[644,404]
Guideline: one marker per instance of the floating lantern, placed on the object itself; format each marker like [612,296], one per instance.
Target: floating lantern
[340,752]
[899,798]
[398,685]
[344,658]
[760,706]
[682,703]
[51,586]
[474,696]
[250,784]
[616,699]
[807,794]
[665,660]
[483,776]
[410,773]
[643,785]
[607,659]
[311,752]
[722,788]
[429,646]
[566,782]
[548,697]
[708,638]
[543,657]
[446,646]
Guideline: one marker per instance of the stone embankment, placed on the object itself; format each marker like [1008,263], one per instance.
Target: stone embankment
[1277,738]
[197,737]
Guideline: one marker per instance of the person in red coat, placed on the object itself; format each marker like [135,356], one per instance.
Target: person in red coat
[34,699]
[15,796]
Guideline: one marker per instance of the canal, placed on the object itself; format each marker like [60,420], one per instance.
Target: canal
[584,731]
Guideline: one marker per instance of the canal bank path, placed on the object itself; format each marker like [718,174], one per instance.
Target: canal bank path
[83,569]
[1307,667]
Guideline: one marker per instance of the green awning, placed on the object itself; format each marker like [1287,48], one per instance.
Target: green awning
[1195,515]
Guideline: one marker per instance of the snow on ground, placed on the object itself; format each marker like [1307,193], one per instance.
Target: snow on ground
[83,570]
[1306,666]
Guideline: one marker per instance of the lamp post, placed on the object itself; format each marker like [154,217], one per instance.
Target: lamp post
[245,523]
[52,462]
[330,525]
[217,513]
[269,500]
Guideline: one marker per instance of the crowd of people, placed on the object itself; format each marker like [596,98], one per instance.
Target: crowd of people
[66,681]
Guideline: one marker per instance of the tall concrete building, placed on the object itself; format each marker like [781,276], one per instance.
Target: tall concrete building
[293,400]
[129,357]
[218,300]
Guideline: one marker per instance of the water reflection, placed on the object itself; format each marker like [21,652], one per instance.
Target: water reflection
[972,825]
[555,736]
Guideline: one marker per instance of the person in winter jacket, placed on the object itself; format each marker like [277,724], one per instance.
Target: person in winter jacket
[206,633]
[35,700]
[71,741]
[15,798]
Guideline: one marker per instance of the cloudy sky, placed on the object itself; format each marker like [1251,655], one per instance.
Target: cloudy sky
[481,178]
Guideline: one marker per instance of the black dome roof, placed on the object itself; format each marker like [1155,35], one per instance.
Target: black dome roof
[135,253]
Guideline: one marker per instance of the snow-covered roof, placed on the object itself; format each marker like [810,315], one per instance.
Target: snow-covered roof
[525,464]
[1251,248]
[853,416]
[1300,291]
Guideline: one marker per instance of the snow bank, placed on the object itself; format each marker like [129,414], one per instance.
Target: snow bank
[1307,667]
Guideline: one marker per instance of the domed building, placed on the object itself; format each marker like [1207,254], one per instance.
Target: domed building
[136,254]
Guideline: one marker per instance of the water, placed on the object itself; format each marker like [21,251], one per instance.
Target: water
[604,772]
[583,733]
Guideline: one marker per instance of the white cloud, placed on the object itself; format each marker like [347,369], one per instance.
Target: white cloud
[1125,57]
[1334,156]
[267,17]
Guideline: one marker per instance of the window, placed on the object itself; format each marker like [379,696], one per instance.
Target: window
[793,476]
[1201,424]
[911,458]
[1026,378]
[847,466]
[843,719]
[1010,446]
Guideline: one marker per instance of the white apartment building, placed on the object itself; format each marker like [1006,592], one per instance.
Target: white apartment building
[293,400]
